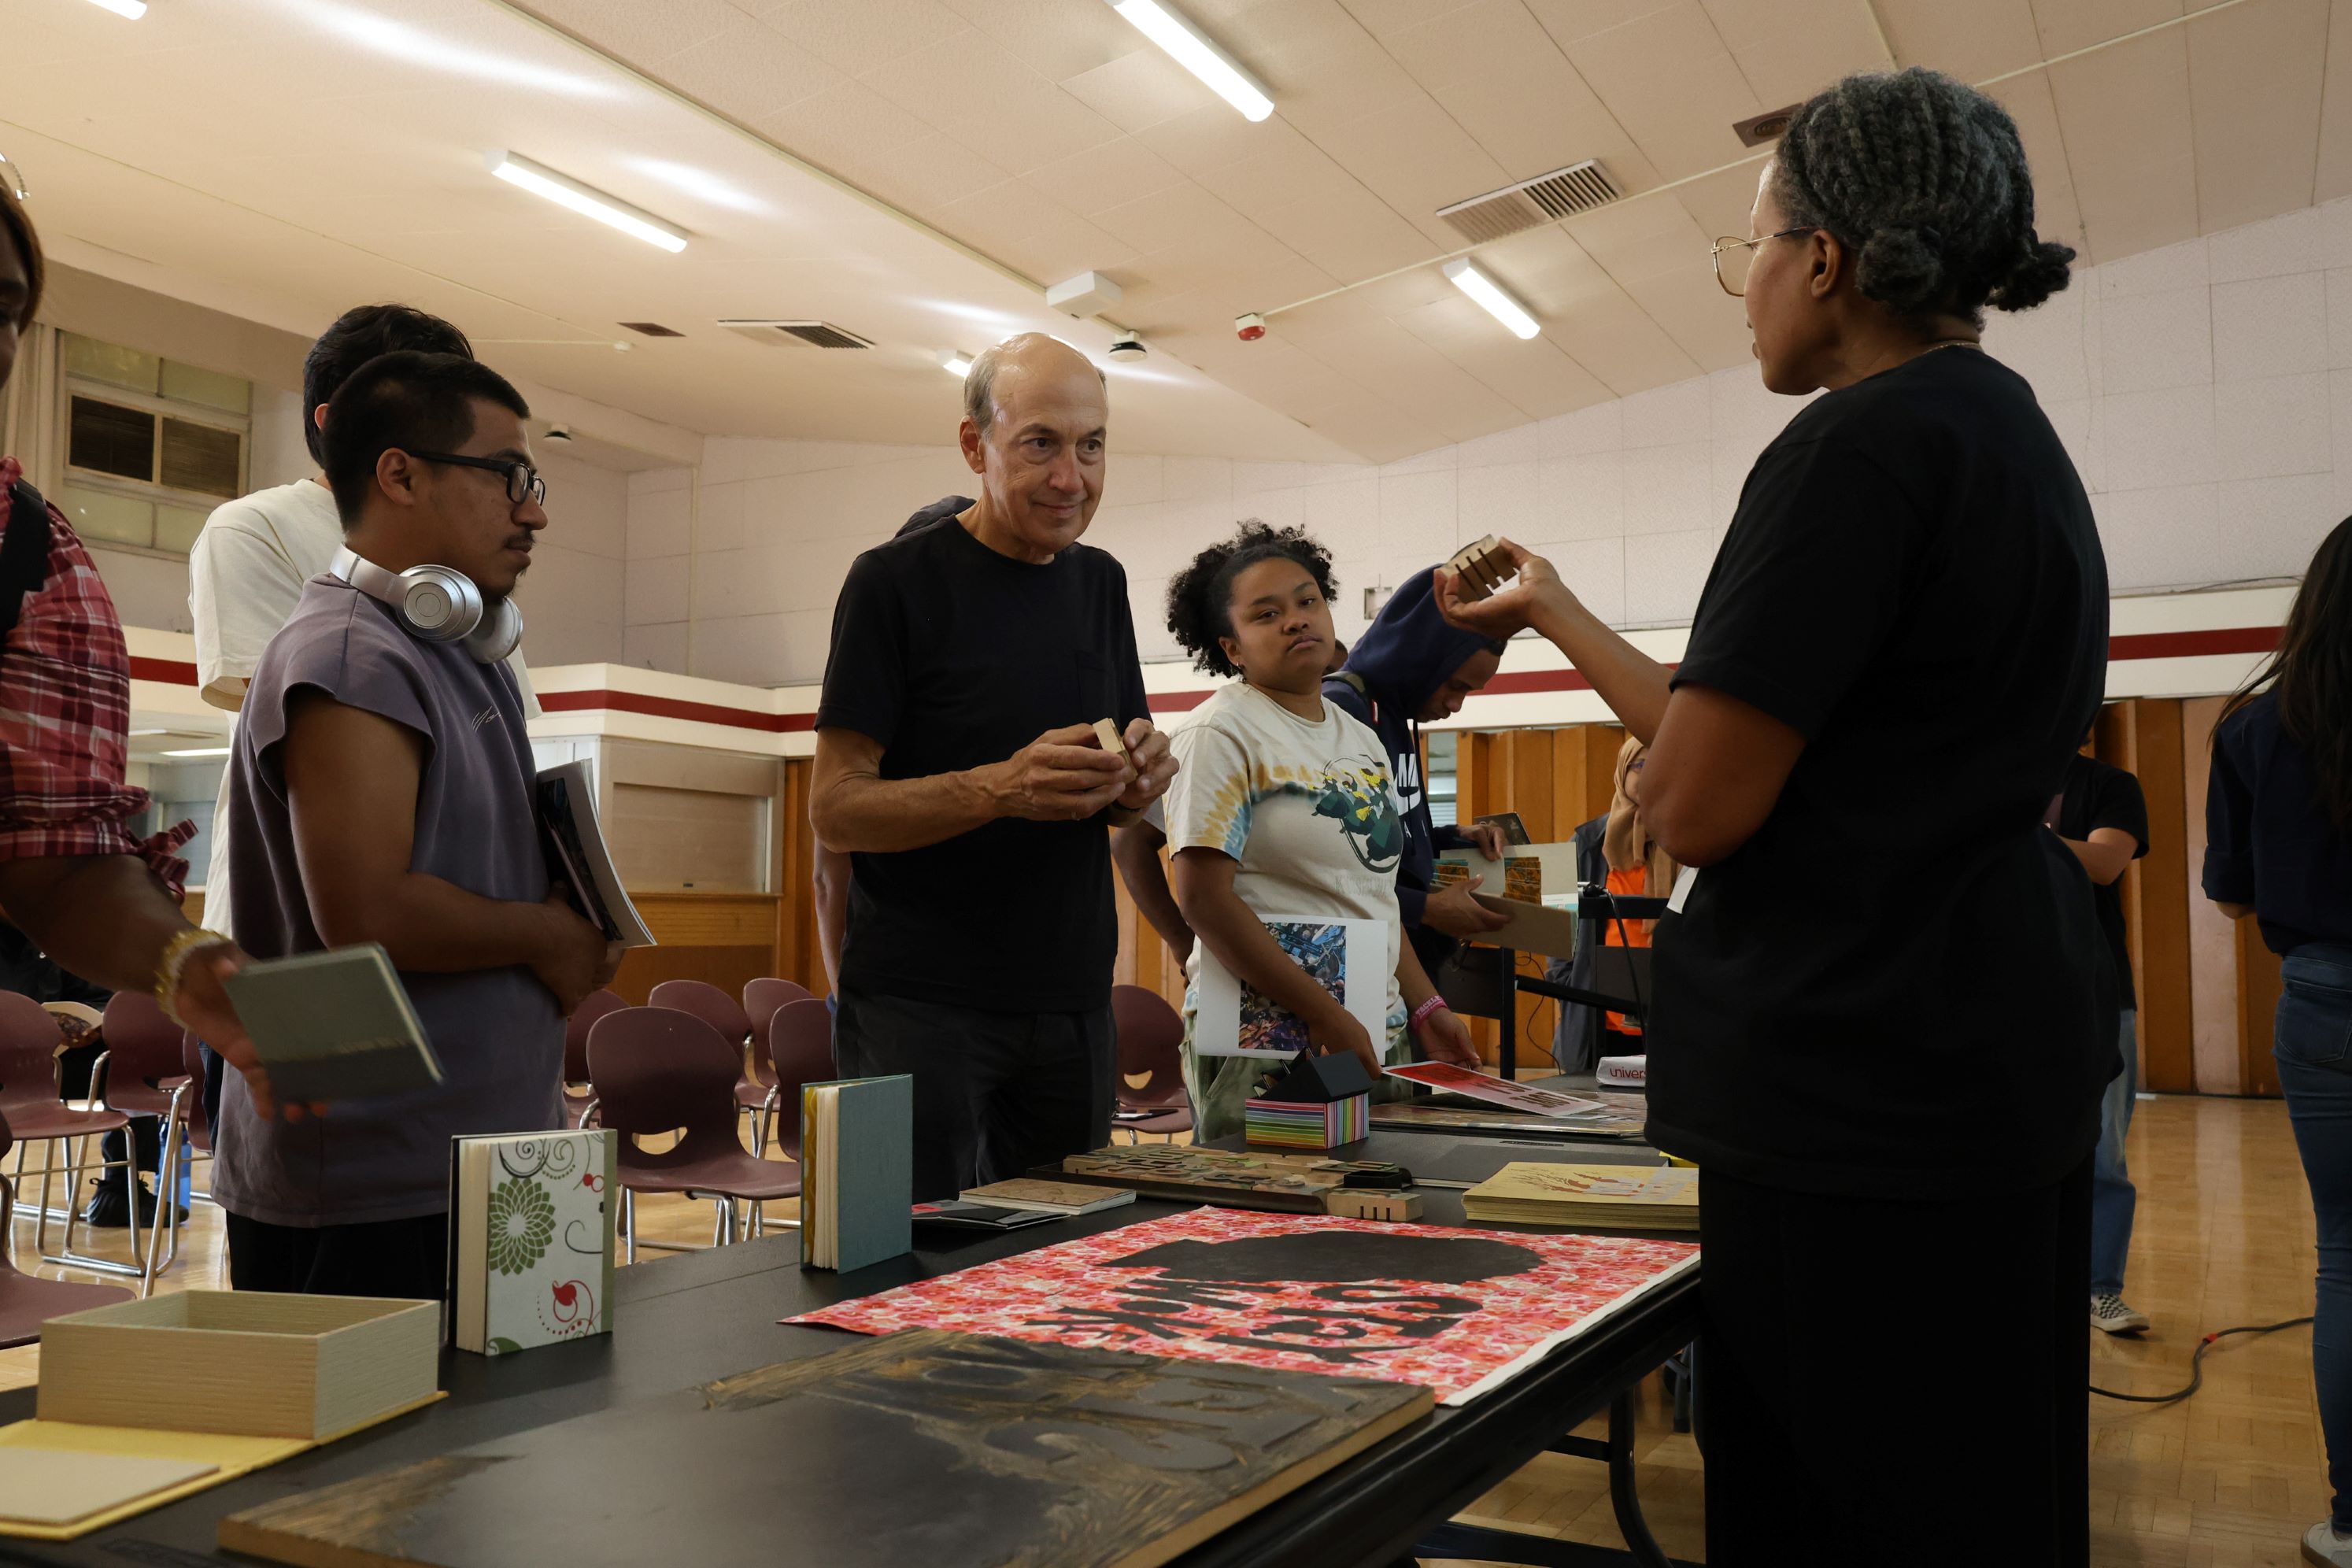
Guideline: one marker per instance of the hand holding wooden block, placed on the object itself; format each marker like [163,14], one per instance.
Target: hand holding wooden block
[1478,570]
[1107,731]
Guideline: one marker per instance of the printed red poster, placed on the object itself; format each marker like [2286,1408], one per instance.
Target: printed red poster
[1457,1311]
[1495,1090]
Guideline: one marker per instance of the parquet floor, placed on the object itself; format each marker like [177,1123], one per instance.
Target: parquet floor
[2231,1479]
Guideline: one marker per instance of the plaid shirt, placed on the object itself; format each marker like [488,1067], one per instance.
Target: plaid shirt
[65,706]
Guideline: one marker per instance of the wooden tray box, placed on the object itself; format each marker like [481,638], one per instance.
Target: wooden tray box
[240,1362]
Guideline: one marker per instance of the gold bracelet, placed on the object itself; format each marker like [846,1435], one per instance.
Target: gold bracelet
[169,968]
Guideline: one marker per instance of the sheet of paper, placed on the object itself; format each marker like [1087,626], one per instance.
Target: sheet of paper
[1684,881]
[59,1485]
[1496,1092]
[1347,957]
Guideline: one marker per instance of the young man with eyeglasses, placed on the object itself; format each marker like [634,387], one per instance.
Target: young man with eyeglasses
[384,792]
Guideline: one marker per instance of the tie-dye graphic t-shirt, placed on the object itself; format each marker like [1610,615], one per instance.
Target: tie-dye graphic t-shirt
[1305,808]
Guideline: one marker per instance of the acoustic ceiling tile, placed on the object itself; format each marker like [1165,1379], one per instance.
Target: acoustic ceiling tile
[2254,76]
[1972,42]
[853,38]
[2066,25]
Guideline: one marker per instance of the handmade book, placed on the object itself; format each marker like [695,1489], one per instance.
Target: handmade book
[1478,1086]
[1611,1197]
[1461,1312]
[1348,958]
[333,1025]
[954,1214]
[916,1448]
[1047,1197]
[577,854]
[1319,1102]
[531,1240]
[1612,1123]
[857,1171]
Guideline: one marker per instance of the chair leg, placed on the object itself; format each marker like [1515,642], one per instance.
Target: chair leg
[66,1257]
[629,1222]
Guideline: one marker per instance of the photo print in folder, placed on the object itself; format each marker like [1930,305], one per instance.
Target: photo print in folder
[1347,958]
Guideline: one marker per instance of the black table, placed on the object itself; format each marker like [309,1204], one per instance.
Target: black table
[705,1315]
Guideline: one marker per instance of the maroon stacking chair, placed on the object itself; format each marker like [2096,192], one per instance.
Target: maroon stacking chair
[762,998]
[1151,1064]
[800,1051]
[143,1073]
[25,1302]
[658,1069]
[28,1098]
[187,1134]
[726,1015]
[580,1107]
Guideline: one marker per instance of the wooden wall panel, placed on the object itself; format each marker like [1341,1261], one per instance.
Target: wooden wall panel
[2215,1016]
[725,938]
[798,957]
[2156,896]
[2258,984]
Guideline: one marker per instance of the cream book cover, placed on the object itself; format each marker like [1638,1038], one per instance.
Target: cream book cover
[1526,1181]
[532,1238]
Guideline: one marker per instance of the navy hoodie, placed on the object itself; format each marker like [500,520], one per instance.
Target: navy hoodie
[1401,659]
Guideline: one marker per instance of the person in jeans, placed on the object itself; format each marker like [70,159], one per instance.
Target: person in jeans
[2102,816]
[2278,846]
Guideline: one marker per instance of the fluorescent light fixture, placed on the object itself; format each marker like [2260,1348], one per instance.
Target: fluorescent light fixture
[1491,297]
[134,9]
[202,751]
[956,365]
[586,200]
[134,734]
[1185,45]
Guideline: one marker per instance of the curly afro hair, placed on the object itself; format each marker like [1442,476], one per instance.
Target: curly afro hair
[1199,596]
[1925,180]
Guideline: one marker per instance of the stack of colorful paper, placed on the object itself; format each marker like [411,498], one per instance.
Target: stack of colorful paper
[1307,1124]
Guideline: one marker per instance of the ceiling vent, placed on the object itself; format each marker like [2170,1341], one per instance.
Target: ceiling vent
[1531,204]
[653,328]
[815,334]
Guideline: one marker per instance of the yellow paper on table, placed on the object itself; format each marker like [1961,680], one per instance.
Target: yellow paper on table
[230,1455]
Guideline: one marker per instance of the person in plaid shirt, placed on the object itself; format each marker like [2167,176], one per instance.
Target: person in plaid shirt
[99,901]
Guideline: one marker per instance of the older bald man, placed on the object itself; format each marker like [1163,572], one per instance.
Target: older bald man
[957,764]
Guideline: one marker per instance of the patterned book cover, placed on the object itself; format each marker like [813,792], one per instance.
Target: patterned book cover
[534,1223]
[1459,1311]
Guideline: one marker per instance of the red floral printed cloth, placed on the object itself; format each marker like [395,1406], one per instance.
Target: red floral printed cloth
[1457,1311]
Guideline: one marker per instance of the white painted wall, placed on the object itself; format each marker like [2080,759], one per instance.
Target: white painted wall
[572,596]
[2204,390]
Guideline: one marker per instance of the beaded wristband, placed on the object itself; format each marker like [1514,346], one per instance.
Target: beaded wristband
[1432,1005]
[174,961]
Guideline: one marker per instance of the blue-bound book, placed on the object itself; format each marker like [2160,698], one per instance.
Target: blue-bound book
[857,1171]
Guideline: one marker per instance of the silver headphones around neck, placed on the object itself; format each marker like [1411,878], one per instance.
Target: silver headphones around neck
[438,603]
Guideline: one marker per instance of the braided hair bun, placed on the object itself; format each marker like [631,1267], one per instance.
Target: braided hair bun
[1925,180]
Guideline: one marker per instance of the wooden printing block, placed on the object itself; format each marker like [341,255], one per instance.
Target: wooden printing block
[1477,571]
[1366,1202]
[1107,731]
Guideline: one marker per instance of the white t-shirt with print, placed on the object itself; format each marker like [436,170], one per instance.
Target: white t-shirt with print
[246,572]
[1303,806]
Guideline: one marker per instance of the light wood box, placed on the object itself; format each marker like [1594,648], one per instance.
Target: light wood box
[247,1362]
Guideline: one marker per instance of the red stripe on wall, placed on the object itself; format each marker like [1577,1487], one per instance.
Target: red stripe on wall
[2193,644]
[2142,645]
[167,671]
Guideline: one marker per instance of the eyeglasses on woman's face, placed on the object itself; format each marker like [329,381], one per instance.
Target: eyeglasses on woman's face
[1733,258]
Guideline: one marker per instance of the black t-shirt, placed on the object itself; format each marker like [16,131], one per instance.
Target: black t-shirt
[952,657]
[1891,988]
[2268,844]
[2099,794]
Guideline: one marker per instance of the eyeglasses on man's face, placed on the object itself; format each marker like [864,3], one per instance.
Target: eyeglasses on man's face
[523,483]
[1733,258]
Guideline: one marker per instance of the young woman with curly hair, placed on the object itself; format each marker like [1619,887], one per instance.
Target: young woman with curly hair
[1283,806]
[1888,1066]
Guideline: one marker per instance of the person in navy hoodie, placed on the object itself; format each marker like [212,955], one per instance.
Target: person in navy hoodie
[1409,669]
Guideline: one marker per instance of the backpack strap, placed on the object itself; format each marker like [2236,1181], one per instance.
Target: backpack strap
[24,554]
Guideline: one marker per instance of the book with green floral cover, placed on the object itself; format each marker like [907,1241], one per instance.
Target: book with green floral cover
[531,1240]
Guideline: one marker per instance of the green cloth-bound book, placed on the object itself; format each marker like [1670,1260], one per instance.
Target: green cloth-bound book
[857,1171]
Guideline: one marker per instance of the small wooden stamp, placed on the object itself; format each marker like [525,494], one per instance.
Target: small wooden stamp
[1478,570]
[1107,731]
[1367,1202]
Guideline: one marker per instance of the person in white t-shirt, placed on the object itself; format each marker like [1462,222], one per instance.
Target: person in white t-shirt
[248,563]
[1283,806]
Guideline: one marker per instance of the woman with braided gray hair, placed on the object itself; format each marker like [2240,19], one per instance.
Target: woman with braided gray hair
[1889,1077]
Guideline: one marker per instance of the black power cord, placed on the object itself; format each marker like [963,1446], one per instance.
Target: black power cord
[2197,1364]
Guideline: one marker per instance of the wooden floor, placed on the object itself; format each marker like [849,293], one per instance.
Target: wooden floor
[2231,1479]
